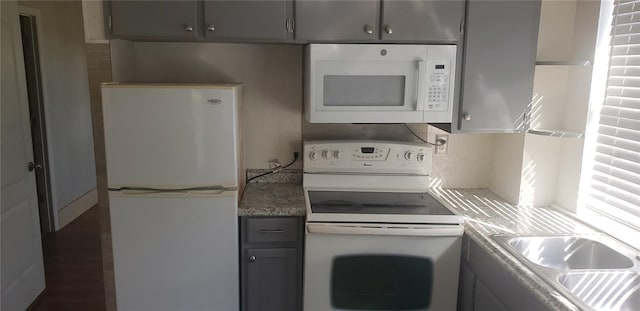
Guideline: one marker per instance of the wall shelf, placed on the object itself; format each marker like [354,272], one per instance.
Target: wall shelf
[564,63]
[555,133]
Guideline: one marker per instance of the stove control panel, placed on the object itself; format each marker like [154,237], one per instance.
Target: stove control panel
[383,157]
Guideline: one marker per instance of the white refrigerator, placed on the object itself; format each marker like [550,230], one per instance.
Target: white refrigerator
[173,156]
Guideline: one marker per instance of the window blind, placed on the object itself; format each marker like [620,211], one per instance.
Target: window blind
[614,188]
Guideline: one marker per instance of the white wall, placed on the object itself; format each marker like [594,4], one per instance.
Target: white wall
[94,21]
[272,114]
[123,60]
[468,161]
[272,78]
[66,100]
[507,166]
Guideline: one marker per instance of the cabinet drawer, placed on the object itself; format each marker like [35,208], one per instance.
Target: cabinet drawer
[272,230]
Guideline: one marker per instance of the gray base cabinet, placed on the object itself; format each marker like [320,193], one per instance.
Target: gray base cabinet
[499,63]
[485,300]
[271,263]
[485,285]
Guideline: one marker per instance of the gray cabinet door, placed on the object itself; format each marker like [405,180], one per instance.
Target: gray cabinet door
[422,20]
[337,20]
[466,288]
[272,279]
[259,20]
[485,300]
[499,63]
[154,19]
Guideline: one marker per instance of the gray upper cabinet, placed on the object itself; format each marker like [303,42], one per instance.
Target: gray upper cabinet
[353,21]
[427,21]
[499,64]
[257,20]
[367,20]
[337,20]
[177,20]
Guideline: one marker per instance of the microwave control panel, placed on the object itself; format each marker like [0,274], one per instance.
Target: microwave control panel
[437,90]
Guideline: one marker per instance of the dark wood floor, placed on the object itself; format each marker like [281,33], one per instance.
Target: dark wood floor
[73,267]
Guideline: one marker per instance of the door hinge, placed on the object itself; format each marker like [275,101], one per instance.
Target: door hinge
[290,25]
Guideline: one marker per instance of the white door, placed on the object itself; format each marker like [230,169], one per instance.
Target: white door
[21,249]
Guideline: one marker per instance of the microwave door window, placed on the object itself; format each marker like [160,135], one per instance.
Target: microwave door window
[363,91]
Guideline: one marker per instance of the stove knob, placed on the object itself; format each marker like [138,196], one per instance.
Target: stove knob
[420,157]
[313,155]
[408,155]
[326,154]
[337,154]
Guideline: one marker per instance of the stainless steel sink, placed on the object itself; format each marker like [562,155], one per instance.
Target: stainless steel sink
[605,290]
[596,272]
[569,252]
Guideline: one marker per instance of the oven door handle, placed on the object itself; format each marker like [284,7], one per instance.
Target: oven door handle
[436,231]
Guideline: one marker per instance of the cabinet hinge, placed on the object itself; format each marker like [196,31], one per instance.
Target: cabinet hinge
[290,25]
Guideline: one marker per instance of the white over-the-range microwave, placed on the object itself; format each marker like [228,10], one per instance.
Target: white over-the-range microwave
[376,83]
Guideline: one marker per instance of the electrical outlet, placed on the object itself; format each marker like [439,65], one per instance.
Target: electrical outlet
[274,164]
[443,144]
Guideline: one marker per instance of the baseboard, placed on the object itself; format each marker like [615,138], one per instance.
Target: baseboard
[70,212]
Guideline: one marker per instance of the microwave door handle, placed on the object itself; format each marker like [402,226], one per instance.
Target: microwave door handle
[422,81]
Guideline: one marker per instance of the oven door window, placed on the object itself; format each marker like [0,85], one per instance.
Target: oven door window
[381,282]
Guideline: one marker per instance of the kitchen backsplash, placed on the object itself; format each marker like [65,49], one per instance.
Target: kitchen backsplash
[286,176]
[272,112]
[271,75]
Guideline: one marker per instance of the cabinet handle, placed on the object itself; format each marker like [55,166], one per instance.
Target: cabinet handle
[210,27]
[271,230]
[388,29]
[290,25]
[32,166]
[368,29]
[188,28]
[466,116]
[252,259]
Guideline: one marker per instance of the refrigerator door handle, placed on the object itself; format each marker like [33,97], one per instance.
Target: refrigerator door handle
[211,190]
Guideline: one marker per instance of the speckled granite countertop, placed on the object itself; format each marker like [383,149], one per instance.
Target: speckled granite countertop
[272,199]
[278,194]
[487,214]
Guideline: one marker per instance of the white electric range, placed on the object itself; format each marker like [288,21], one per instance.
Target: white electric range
[375,239]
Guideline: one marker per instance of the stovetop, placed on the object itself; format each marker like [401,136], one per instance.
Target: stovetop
[359,202]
